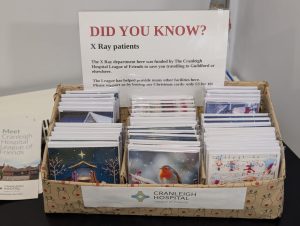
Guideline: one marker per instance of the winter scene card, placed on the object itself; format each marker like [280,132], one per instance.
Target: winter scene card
[86,116]
[84,164]
[163,167]
[231,108]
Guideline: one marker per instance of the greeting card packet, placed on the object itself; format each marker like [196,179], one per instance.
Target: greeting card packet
[158,127]
[238,115]
[162,105]
[230,87]
[234,167]
[236,120]
[164,142]
[191,132]
[233,91]
[262,145]
[84,161]
[230,107]
[87,115]
[178,137]
[86,104]
[85,137]
[88,125]
[87,99]
[105,95]
[254,96]
[161,110]
[260,130]
[165,124]
[72,130]
[163,166]
[162,146]
[165,114]
[239,124]
[173,97]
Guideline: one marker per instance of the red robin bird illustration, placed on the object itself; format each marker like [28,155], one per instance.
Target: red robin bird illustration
[168,175]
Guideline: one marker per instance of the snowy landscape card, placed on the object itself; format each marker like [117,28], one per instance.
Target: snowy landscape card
[231,108]
[84,164]
[163,167]
[86,116]
[20,156]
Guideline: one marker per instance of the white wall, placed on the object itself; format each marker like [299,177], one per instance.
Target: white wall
[265,45]
[39,46]
[39,39]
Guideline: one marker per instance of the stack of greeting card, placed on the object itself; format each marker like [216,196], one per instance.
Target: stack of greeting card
[163,142]
[89,106]
[239,143]
[232,99]
[85,145]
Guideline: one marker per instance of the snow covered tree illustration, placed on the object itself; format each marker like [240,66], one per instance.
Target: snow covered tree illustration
[56,167]
[111,166]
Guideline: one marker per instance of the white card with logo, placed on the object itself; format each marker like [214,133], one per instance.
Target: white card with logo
[153,52]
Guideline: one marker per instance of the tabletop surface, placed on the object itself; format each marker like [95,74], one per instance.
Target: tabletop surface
[30,212]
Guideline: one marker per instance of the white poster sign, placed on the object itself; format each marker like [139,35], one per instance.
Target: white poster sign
[164,197]
[153,52]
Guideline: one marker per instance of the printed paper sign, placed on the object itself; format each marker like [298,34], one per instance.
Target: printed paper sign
[20,146]
[153,52]
[164,197]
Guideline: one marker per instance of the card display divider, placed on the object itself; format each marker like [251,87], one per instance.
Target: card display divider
[264,199]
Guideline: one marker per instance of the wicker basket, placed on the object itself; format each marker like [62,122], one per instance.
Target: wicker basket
[264,199]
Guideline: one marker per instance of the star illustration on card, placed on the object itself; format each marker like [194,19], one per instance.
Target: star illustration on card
[81,154]
[140,196]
